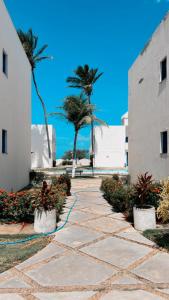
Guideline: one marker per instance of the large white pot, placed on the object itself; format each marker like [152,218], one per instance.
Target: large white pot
[45,221]
[144,218]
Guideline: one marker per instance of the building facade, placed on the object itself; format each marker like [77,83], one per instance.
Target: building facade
[149,107]
[15,107]
[111,145]
[39,147]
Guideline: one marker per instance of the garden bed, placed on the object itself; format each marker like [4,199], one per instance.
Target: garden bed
[159,236]
[11,255]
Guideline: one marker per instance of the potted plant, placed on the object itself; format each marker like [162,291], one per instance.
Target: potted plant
[146,199]
[45,204]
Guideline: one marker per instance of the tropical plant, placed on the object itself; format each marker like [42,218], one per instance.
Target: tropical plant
[84,79]
[77,111]
[29,42]
[64,179]
[48,198]
[163,209]
[80,154]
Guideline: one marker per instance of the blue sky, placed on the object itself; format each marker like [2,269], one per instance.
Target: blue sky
[106,34]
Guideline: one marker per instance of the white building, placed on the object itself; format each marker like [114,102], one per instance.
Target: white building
[149,107]
[111,145]
[15,107]
[39,147]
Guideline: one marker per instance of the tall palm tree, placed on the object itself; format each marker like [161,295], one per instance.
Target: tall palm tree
[79,112]
[84,79]
[29,42]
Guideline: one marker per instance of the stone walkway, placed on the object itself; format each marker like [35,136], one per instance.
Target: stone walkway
[98,255]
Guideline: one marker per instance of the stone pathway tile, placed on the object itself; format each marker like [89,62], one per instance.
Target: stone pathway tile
[156,269]
[127,280]
[99,209]
[166,291]
[11,297]
[75,235]
[134,235]
[64,296]
[116,251]
[130,295]
[106,224]
[78,216]
[73,269]
[14,282]
[51,250]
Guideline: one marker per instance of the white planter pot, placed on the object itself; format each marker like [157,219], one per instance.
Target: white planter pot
[144,218]
[44,221]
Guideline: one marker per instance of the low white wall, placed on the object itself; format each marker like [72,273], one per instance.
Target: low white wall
[110,146]
[39,146]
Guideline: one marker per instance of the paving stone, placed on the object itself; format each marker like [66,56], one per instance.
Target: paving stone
[14,282]
[79,216]
[156,269]
[10,297]
[106,224]
[99,209]
[126,280]
[73,269]
[166,291]
[51,250]
[76,236]
[118,216]
[134,235]
[130,295]
[65,296]
[116,251]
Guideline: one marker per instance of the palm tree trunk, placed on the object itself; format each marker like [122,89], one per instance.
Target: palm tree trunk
[92,141]
[74,154]
[44,111]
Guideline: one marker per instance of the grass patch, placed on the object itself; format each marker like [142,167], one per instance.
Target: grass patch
[11,255]
[159,236]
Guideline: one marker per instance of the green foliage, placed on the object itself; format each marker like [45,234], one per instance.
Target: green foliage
[49,197]
[123,197]
[159,236]
[29,42]
[15,206]
[146,192]
[85,77]
[64,179]
[163,209]
[80,154]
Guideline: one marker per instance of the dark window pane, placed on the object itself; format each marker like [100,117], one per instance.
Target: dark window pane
[164,69]
[4,63]
[4,141]
[164,142]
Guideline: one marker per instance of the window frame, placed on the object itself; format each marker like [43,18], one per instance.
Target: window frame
[4,149]
[163,148]
[5,63]
[161,69]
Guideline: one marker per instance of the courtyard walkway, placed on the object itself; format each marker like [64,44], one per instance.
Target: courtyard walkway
[98,255]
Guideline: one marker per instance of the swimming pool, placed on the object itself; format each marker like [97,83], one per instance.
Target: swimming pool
[107,171]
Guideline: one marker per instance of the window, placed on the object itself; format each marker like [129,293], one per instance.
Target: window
[164,142]
[163,69]
[126,139]
[127,159]
[4,141]
[5,63]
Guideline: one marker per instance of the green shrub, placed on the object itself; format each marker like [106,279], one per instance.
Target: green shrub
[15,207]
[108,187]
[64,179]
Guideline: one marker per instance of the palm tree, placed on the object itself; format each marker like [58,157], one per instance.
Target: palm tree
[29,42]
[79,112]
[84,79]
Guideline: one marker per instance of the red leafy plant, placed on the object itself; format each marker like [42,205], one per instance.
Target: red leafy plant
[49,198]
[146,191]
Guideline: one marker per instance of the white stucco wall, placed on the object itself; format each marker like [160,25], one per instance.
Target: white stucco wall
[110,146]
[149,107]
[39,146]
[15,108]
